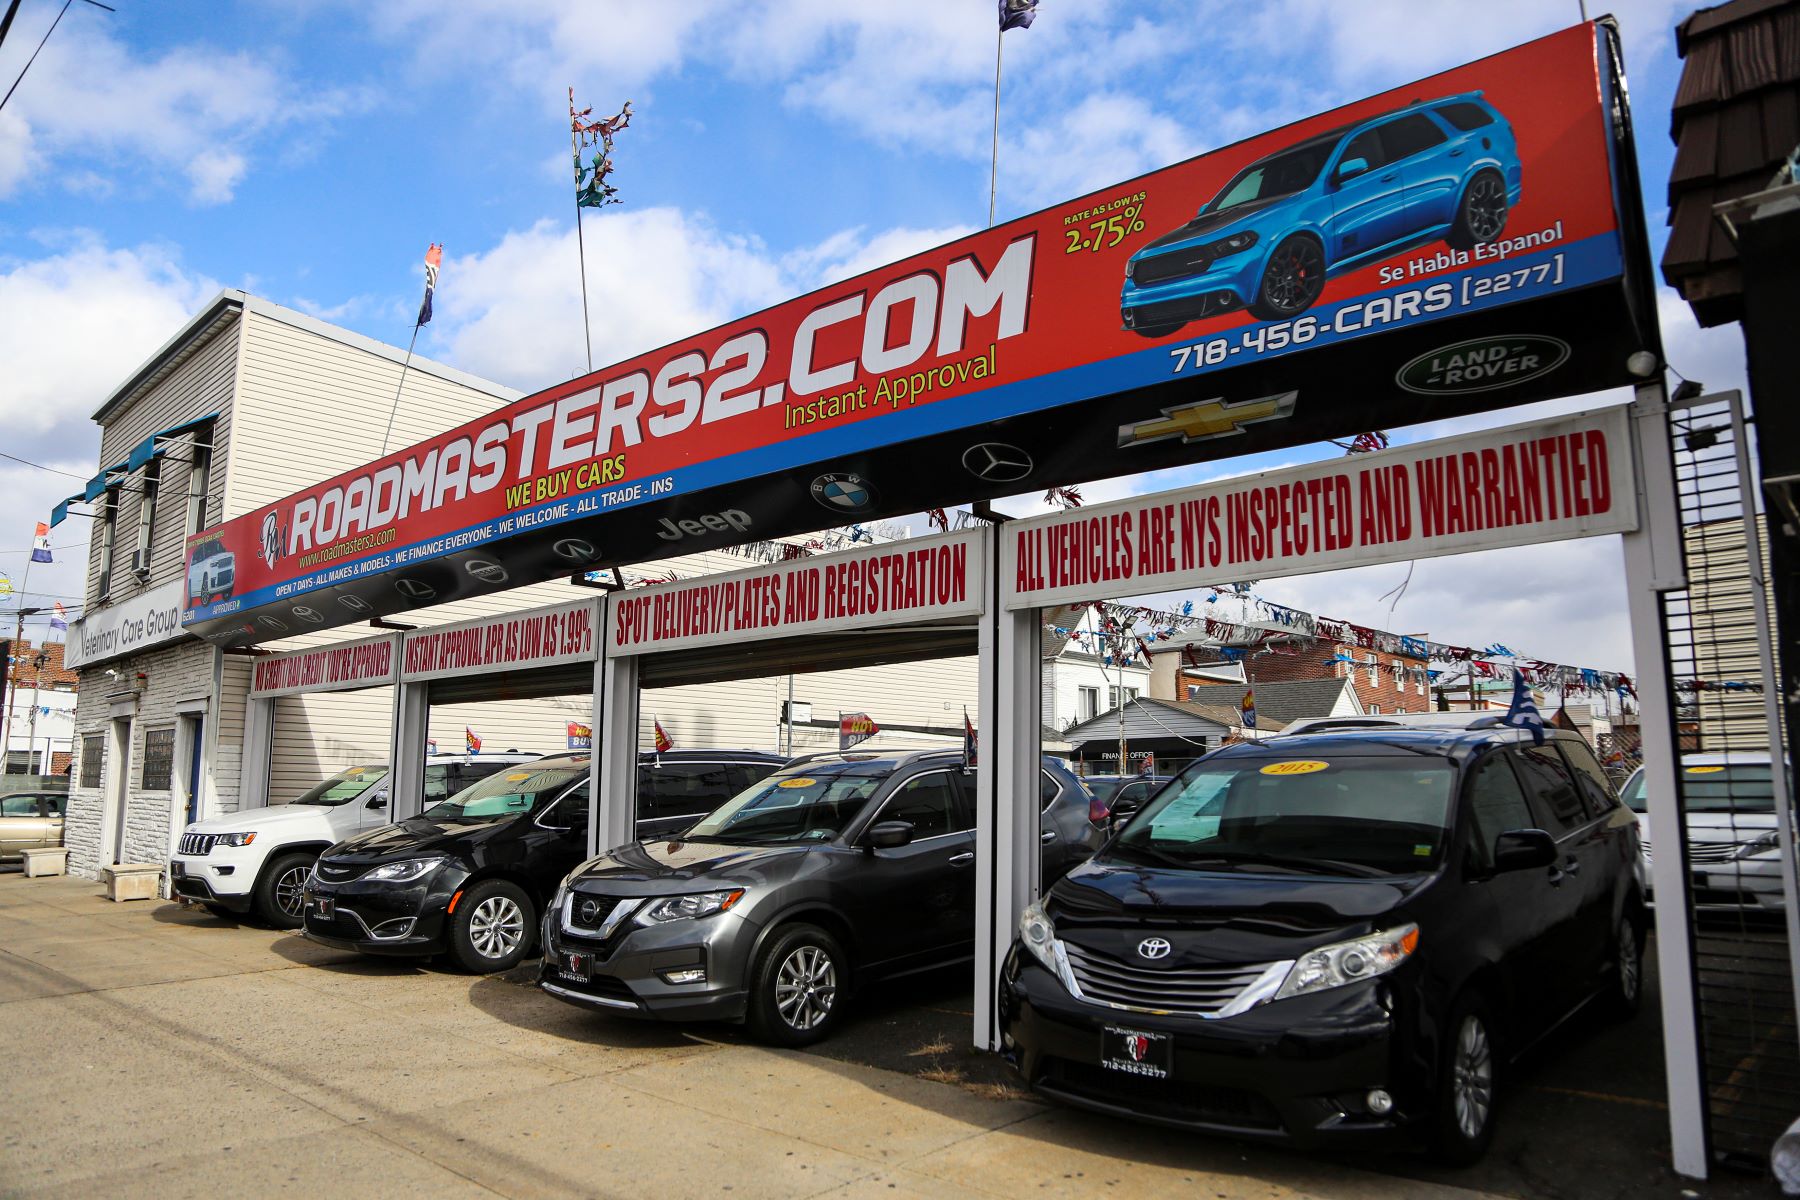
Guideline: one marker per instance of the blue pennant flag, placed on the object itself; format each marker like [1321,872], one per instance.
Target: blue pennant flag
[1524,712]
[1017,14]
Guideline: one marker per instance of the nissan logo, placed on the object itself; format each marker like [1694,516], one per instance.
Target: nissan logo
[997,462]
[589,911]
[1154,947]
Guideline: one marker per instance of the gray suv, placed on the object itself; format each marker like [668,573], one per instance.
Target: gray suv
[830,874]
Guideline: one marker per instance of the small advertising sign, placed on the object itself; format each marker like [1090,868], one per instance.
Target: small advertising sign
[854,728]
[539,637]
[126,627]
[1450,246]
[1566,478]
[369,662]
[581,737]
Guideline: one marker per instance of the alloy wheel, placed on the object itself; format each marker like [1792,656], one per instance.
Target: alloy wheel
[1486,208]
[1631,968]
[496,927]
[1294,275]
[1472,1077]
[805,987]
[290,890]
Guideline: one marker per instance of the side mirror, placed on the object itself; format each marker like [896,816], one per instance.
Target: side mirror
[1350,168]
[1122,813]
[888,835]
[1523,849]
[377,802]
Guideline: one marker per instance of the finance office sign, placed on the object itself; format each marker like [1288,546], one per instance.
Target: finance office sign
[1567,478]
[1458,244]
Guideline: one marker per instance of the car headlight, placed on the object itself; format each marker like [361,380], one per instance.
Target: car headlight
[1350,962]
[1760,845]
[1237,243]
[686,908]
[235,839]
[407,871]
[1039,935]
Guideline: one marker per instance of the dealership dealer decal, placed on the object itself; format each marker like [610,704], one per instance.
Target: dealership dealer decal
[1569,477]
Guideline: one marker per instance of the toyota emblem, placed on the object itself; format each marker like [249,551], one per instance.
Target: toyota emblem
[1154,947]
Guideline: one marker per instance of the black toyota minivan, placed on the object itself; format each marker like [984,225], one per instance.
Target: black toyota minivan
[1335,938]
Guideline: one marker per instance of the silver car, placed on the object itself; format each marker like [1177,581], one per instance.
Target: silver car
[1731,833]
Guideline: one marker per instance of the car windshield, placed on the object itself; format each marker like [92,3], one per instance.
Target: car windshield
[788,808]
[507,793]
[1102,789]
[345,786]
[1278,175]
[1341,816]
[1714,788]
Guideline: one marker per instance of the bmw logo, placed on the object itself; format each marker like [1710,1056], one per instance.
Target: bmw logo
[1154,947]
[844,491]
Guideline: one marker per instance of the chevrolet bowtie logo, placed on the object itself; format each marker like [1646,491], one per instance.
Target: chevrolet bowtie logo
[1207,419]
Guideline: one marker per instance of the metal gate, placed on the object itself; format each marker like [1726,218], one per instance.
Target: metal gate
[1737,844]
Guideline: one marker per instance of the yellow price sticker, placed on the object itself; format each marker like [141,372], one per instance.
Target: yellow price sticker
[1297,767]
[797,783]
[1704,770]
[518,776]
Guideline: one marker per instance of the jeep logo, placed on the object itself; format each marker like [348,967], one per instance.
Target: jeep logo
[1483,364]
[731,518]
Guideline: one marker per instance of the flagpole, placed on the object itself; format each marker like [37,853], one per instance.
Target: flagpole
[994,161]
[12,675]
[395,406]
[580,245]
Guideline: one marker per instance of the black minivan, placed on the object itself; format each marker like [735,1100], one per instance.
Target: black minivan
[470,875]
[1334,938]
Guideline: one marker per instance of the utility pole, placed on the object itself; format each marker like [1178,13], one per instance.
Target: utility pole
[37,675]
[12,679]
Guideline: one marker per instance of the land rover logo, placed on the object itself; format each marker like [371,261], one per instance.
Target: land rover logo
[1154,947]
[1483,364]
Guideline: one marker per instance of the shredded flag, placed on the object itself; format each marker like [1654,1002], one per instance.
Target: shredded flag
[591,187]
[854,728]
[471,742]
[434,258]
[40,544]
[59,617]
[1247,709]
[663,742]
[1017,14]
[970,745]
[1524,712]
[431,745]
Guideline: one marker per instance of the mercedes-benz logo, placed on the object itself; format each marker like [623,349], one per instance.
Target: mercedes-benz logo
[589,911]
[414,589]
[997,462]
[1154,947]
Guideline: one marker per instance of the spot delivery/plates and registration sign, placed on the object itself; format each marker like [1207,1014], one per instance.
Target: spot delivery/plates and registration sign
[1548,480]
[1470,241]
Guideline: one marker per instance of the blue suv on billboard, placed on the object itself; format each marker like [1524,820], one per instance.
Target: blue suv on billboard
[1267,242]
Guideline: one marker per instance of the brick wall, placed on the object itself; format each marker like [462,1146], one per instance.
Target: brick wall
[1314,663]
[53,675]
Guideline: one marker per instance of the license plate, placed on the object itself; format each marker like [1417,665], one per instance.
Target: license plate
[573,967]
[325,907]
[1136,1052]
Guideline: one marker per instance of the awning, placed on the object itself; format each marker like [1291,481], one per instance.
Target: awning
[146,450]
[62,508]
[96,487]
[140,454]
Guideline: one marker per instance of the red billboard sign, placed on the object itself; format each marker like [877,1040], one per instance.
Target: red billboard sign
[1450,246]
[369,662]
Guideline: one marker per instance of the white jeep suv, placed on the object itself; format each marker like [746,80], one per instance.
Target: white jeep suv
[257,860]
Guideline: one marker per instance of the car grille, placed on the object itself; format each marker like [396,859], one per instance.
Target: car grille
[1703,852]
[1192,991]
[198,843]
[1168,266]
[591,921]
[330,872]
[1171,1099]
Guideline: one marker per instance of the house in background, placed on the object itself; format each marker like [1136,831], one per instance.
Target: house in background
[41,705]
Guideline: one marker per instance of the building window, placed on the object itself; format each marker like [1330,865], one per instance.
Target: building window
[1374,668]
[1113,696]
[1399,676]
[159,759]
[91,750]
[140,557]
[21,762]
[199,480]
[1087,703]
[1374,708]
[109,520]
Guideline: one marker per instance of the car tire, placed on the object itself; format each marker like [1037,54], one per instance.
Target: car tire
[798,987]
[279,892]
[493,928]
[1625,991]
[1463,1113]
[1156,331]
[1480,214]
[1291,280]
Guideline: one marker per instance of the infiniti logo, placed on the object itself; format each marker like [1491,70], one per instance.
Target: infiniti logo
[1154,948]
[997,462]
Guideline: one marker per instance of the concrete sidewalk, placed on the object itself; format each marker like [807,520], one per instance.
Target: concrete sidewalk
[153,1051]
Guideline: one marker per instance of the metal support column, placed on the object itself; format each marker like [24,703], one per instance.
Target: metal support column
[406,775]
[259,745]
[597,733]
[1008,856]
[1653,566]
[615,751]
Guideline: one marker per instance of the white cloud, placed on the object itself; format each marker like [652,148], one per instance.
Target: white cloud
[849,253]
[95,106]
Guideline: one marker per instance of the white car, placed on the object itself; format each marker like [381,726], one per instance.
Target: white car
[257,861]
[1731,834]
[212,577]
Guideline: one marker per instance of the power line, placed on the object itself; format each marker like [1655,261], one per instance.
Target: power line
[40,45]
[41,466]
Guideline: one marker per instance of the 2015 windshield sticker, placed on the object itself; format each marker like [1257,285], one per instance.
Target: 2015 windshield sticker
[1298,767]
[1704,770]
[797,783]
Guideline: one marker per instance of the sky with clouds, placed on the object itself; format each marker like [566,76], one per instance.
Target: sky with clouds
[308,151]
